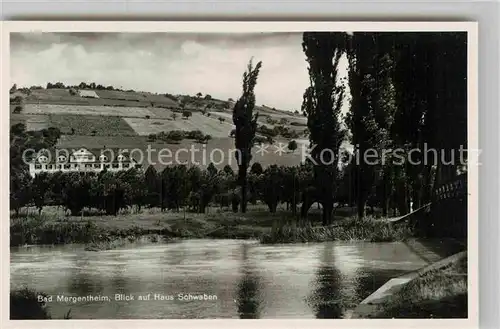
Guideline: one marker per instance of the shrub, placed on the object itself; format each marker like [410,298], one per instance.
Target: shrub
[175,135]
[151,137]
[292,145]
[187,114]
[264,130]
[16,100]
[24,305]
[256,168]
[260,139]
[18,109]
[195,134]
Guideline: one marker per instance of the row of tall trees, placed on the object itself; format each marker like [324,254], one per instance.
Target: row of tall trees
[407,91]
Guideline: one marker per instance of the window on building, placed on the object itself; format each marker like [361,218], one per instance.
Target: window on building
[96,165]
[37,166]
[58,166]
[115,165]
[67,166]
[88,166]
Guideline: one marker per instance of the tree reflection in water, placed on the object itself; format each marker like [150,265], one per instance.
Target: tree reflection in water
[326,297]
[81,281]
[248,298]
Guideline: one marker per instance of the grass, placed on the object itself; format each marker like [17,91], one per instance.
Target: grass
[47,229]
[208,125]
[351,229]
[101,232]
[107,98]
[87,110]
[91,124]
[439,293]
[26,305]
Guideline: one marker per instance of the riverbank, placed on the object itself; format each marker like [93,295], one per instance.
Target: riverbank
[108,232]
[436,291]
[26,305]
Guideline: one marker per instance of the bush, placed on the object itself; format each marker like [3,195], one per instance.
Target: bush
[292,145]
[16,100]
[264,130]
[260,139]
[187,114]
[195,134]
[175,135]
[18,109]
[24,305]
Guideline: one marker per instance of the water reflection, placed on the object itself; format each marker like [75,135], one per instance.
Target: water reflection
[368,280]
[118,279]
[248,299]
[81,282]
[250,281]
[326,297]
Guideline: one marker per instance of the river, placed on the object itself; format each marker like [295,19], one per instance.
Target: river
[236,278]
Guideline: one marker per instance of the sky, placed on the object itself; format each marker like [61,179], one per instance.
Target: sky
[175,63]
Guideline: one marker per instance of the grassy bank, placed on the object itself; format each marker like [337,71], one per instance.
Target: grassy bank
[108,232]
[350,229]
[439,293]
[25,305]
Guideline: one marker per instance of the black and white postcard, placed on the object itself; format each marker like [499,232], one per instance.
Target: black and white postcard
[230,170]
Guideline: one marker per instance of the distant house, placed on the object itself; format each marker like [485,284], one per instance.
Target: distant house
[82,160]
[87,94]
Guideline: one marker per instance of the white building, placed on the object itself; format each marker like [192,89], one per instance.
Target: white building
[82,160]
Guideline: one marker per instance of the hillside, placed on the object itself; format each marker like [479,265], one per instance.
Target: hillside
[126,119]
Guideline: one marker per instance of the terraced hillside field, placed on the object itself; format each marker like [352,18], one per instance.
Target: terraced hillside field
[106,98]
[31,121]
[208,125]
[87,110]
[91,125]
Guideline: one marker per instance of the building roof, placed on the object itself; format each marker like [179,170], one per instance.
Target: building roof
[88,93]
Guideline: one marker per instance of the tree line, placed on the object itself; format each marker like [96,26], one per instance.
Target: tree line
[407,90]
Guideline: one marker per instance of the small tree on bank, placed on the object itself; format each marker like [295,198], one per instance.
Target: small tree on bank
[246,126]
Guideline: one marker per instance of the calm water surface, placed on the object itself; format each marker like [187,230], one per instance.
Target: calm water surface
[250,280]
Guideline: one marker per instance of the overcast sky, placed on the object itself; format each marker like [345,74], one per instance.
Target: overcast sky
[161,62]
